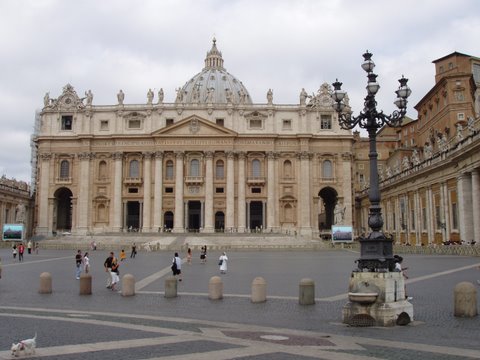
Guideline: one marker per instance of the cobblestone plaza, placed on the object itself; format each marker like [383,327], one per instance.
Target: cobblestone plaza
[146,326]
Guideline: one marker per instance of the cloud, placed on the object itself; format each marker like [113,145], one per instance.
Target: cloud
[285,45]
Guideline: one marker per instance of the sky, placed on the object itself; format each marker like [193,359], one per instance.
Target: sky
[285,45]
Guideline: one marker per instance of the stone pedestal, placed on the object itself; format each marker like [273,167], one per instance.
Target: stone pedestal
[45,283]
[215,288]
[85,284]
[306,293]
[128,285]
[171,287]
[377,299]
[259,290]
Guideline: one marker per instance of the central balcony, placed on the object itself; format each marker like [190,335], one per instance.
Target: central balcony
[193,180]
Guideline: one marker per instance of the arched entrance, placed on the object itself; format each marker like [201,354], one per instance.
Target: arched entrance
[168,221]
[63,210]
[133,215]
[219,221]
[325,217]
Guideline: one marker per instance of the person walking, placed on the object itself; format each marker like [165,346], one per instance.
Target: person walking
[189,256]
[86,263]
[134,251]
[222,262]
[177,267]
[108,269]
[114,273]
[21,250]
[203,255]
[398,267]
[123,256]
[29,246]
[14,252]
[78,263]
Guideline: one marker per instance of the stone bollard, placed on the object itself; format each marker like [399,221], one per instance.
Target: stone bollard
[306,295]
[45,283]
[85,284]
[215,288]
[171,287]
[128,285]
[259,290]
[465,299]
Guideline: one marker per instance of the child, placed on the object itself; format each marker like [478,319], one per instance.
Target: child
[86,263]
[123,256]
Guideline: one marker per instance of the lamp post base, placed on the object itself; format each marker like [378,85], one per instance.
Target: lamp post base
[377,299]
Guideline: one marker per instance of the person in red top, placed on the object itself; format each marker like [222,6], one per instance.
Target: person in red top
[21,250]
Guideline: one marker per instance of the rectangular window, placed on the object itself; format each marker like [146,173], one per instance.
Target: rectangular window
[219,190]
[103,124]
[220,122]
[134,124]
[460,116]
[325,122]
[361,178]
[169,190]
[287,124]
[168,122]
[476,73]
[424,219]
[133,190]
[255,124]
[256,190]
[438,221]
[412,212]
[67,121]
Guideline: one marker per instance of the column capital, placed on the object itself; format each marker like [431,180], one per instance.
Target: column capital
[179,154]
[230,154]
[241,155]
[158,154]
[147,155]
[45,156]
[117,155]
[86,156]
[208,154]
[304,155]
[272,155]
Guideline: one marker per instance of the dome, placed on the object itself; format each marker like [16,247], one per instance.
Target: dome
[213,85]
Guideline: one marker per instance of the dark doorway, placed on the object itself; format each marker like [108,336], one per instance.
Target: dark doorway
[133,215]
[219,221]
[168,221]
[194,214]
[329,198]
[256,215]
[63,203]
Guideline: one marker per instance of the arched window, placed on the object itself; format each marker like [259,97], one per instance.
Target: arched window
[169,170]
[194,167]
[134,170]
[102,170]
[256,170]
[327,169]
[287,169]
[64,169]
[219,170]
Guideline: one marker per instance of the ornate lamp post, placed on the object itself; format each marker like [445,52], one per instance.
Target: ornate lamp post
[376,250]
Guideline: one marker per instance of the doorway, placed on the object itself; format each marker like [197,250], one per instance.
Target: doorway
[256,215]
[194,215]
[133,216]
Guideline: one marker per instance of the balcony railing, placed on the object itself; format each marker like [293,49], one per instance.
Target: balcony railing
[193,180]
[256,180]
[132,180]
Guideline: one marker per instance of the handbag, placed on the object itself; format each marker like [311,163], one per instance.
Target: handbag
[220,262]
[174,266]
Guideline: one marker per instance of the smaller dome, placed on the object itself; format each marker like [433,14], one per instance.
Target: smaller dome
[213,85]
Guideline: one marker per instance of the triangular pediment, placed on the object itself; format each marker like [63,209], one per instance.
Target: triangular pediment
[194,126]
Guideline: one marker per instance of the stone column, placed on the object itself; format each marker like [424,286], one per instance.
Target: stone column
[229,216]
[209,225]
[52,210]
[270,191]
[83,214]
[43,208]
[418,217]
[178,223]
[465,208]
[430,216]
[445,212]
[304,194]
[147,191]
[241,193]
[117,219]
[158,192]
[186,223]
[248,215]
[347,187]
[476,205]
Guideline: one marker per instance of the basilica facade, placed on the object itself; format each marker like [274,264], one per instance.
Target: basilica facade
[212,160]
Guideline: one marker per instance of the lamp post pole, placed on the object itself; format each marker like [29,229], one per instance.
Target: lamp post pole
[376,250]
